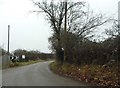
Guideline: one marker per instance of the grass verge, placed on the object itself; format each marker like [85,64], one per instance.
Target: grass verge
[94,74]
[16,64]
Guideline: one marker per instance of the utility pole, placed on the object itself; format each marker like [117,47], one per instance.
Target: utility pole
[119,17]
[8,38]
[65,30]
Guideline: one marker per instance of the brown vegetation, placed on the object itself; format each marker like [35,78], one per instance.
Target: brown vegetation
[99,75]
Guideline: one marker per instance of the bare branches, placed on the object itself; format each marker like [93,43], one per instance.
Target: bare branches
[114,31]
[79,19]
[76,4]
[80,22]
[84,22]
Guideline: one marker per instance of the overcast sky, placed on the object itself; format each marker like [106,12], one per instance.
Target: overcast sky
[30,31]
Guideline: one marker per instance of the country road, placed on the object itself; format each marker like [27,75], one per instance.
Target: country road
[37,74]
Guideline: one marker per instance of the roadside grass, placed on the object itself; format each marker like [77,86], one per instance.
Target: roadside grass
[94,74]
[16,64]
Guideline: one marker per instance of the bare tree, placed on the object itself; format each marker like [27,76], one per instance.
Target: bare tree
[78,20]
[55,13]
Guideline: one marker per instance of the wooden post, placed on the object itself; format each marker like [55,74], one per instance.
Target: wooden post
[65,29]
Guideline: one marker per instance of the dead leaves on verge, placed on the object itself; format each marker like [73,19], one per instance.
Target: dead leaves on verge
[99,75]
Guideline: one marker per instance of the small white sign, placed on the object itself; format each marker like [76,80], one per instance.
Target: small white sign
[23,56]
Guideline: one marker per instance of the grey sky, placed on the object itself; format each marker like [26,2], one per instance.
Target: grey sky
[30,31]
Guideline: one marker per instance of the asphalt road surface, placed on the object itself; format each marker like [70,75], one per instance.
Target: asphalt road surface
[37,74]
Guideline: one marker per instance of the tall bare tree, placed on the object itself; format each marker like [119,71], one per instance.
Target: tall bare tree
[78,21]
[55,13]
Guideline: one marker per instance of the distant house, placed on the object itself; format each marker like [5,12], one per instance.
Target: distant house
[5,61]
